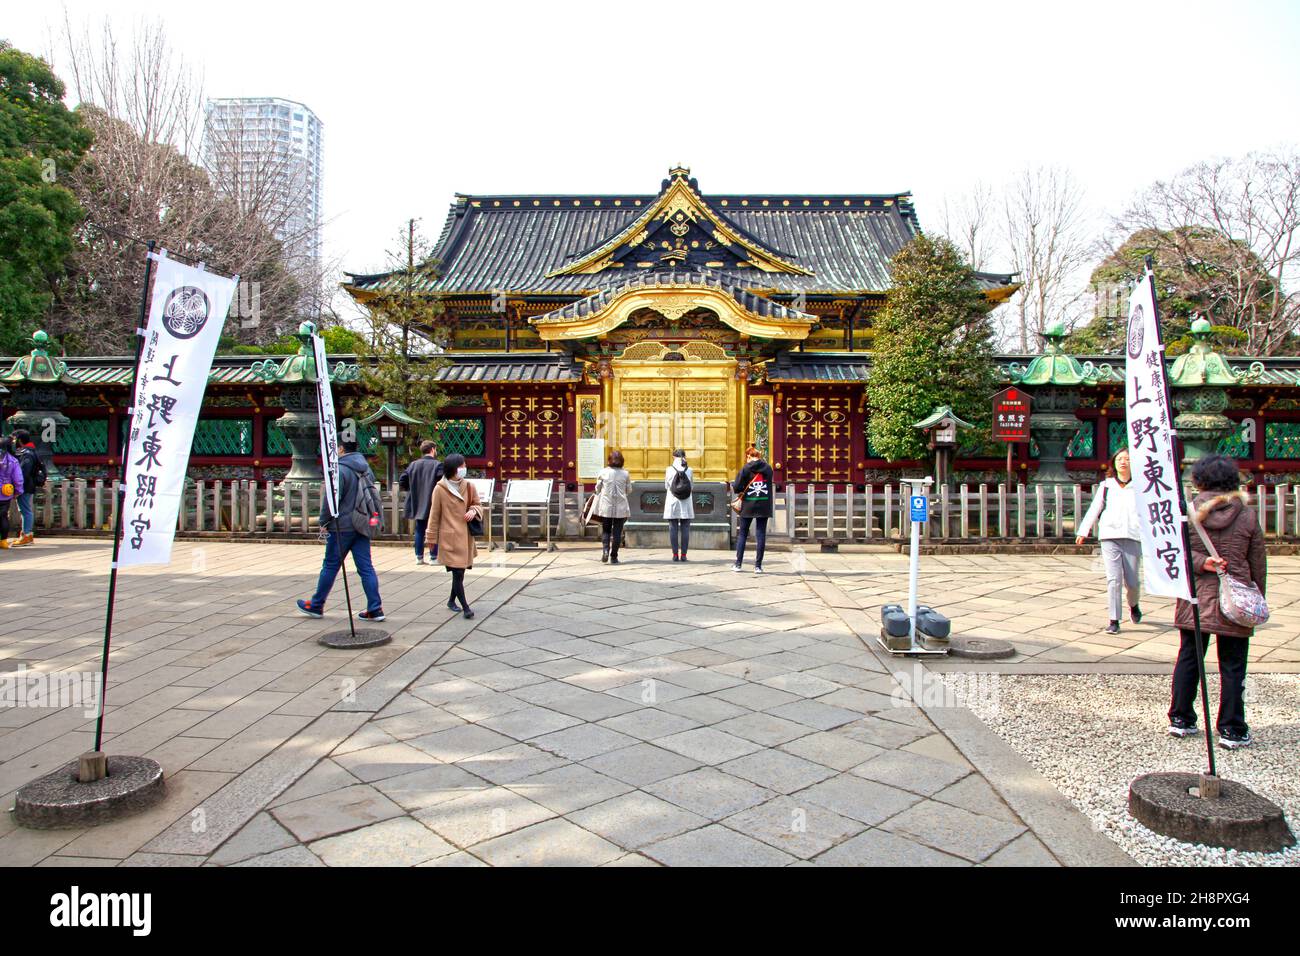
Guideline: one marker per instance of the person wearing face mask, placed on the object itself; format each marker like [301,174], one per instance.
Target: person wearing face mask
[454,504]
[1114,511]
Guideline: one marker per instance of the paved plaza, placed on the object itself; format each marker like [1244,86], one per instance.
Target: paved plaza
[648,713]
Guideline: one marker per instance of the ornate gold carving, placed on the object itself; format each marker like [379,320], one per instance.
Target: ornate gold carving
[702,401]
[648,401]
[704,351]
[673,371]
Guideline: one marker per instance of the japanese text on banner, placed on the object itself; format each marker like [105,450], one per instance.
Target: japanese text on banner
[1151,450]
[186,313]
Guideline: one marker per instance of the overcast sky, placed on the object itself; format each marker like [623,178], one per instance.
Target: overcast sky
[422,100]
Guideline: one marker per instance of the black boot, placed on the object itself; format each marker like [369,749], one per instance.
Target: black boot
[1113,627]
[604,556]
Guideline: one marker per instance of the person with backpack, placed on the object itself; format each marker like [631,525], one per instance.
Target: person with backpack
[679,504]
[34,476]
[1114,510]
[753,503]
[454,512]
[418,481]
[11,486]
[360,516]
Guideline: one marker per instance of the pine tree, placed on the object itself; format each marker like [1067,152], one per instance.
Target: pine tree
[933,346]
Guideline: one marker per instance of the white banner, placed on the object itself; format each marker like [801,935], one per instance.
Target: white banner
[329,429]
[1151,449]
[186,315]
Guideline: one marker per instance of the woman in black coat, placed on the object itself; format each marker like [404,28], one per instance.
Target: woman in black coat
[753,487]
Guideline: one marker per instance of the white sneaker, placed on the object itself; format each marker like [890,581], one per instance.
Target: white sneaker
[758,570]
[736,567]
[421,561]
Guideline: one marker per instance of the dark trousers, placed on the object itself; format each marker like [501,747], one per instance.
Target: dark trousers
[1232,681]
[760,539]
[4,519]
[611,534]
[421,526]
[679,531]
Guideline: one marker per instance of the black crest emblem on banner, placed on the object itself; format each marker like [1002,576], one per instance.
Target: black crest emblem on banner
[1136,330]
[186,311]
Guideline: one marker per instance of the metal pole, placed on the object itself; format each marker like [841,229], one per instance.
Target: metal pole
[121,502]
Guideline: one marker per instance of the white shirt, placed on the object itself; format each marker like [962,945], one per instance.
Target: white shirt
[1119,517]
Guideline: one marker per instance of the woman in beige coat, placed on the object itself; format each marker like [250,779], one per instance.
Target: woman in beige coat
[454,505]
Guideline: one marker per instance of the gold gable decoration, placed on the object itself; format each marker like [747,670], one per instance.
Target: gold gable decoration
[677,205]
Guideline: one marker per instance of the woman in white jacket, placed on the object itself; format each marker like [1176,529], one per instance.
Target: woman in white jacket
[1114,511]
[679,511]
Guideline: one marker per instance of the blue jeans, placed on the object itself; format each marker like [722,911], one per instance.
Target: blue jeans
[25,509]
[336,550]
[679,531]
[421,526]
[760,539]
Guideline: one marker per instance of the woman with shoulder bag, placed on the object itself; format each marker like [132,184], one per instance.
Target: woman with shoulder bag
[753,503]
[454,505]
[1223,514]
[612,506]
[679,504]
[1114,511]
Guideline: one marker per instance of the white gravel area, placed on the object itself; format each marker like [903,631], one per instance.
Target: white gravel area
[1092,734]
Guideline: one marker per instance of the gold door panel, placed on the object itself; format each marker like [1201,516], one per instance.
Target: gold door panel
[660,406]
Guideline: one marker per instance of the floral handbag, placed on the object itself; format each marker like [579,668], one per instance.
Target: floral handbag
[1240,601]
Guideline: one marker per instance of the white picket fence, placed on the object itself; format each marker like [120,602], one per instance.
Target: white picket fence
[803,512]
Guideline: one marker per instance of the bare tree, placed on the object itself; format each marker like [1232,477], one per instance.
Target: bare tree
[968,222]
[1247,211]
[1045,222]
[141,180]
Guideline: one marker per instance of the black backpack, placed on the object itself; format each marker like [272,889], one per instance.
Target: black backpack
[38,470]
[365,505]
[680,486]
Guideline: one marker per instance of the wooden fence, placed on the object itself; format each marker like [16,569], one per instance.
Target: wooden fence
[803,512]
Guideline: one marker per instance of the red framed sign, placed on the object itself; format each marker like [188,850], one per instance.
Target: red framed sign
[1011,415]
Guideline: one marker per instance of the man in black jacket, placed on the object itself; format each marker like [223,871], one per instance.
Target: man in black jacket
[25,451]
[418,482]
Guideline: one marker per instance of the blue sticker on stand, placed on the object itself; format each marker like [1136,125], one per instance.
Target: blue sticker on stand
[920,508]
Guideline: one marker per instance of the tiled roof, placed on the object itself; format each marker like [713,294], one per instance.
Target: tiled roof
[512,244]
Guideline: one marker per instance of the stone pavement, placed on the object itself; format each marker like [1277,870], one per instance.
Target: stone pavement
[1053,609]
[640,714]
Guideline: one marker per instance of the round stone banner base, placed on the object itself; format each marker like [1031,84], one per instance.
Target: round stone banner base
[59,800]
[979,648]
[364,637]
[1238,819]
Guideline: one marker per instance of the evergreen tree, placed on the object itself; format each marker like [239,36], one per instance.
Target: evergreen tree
[40,141]
[933,346]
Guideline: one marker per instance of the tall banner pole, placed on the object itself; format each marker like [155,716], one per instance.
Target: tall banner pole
[120,506]
[1187,537]
[329,456]
[1156,456]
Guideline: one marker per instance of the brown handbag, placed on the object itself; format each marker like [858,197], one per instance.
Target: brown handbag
[589,509]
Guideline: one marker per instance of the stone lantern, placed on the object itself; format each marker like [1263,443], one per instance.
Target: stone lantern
[300,422]
[1053,380]
[38,384]
[392,422]
[1198,382]
[940,428]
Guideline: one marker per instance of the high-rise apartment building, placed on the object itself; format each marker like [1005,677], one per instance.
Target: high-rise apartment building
[265,152]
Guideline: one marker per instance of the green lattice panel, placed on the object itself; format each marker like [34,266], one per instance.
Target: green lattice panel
[276,443]
[460,436]
[1236,445]
[223,436]
[1282,439]
[1084,442]
[83,436]
[1118,431]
